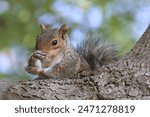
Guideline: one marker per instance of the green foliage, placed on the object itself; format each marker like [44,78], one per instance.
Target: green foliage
[19,24]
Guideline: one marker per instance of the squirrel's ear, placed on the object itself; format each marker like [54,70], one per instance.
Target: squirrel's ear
[63,30]
[43,27]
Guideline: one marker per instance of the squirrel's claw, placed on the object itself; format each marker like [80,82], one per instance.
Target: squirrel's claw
[39,54]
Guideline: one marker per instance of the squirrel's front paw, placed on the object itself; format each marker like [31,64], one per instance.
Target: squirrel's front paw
[36,58]
[34,70]
[39,55]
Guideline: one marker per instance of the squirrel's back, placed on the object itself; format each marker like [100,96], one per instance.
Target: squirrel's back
[96,51]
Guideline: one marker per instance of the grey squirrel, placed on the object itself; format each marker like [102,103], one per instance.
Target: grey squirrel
[55,57]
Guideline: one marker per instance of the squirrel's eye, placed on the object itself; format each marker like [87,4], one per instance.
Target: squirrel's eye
[54,42]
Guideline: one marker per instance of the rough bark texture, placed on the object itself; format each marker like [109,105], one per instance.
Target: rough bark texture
[53,89]
[128,78]
[4,86]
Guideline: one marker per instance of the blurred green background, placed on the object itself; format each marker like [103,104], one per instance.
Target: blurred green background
[121,21]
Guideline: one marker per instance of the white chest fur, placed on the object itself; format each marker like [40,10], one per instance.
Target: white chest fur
[54,62]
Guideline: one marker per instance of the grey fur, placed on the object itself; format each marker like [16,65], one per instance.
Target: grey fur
[96,51]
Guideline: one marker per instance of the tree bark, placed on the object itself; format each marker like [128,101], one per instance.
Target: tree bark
[127,78]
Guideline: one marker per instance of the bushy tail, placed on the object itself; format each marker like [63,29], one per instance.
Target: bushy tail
[96,51]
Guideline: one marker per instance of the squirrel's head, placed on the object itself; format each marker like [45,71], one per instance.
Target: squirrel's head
[52,41]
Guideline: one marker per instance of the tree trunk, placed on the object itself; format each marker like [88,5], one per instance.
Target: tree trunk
[127,78]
